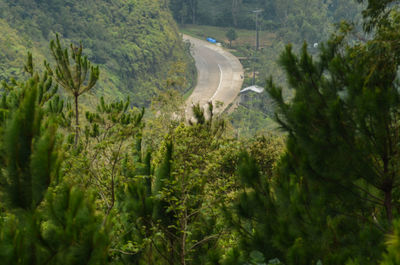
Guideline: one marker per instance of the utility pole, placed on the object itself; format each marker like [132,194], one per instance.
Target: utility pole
[256,12]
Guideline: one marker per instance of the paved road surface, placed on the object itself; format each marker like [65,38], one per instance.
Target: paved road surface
[219,75]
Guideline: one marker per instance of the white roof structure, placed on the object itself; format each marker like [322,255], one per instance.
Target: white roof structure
[256,89]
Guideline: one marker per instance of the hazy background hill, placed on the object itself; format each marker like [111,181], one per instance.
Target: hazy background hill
[136,43]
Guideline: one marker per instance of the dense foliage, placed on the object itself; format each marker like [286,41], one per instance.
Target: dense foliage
[135,43]
[159,190]
[112,195]
[340,169]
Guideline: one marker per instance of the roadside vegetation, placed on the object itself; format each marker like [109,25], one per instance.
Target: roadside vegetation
[245,37]
[279,23]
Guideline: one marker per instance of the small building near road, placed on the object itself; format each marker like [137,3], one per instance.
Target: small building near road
[247,93]
[256,98]
[256,89]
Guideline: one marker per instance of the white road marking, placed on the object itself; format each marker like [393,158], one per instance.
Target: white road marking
[220,82]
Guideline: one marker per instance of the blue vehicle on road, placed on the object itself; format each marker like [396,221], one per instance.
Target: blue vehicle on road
[211,40]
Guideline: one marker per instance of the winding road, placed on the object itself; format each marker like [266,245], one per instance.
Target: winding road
[219,76]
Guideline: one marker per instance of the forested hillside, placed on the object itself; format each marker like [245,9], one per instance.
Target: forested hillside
[135,43]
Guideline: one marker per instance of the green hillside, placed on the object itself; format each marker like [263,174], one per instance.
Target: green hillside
[135,43]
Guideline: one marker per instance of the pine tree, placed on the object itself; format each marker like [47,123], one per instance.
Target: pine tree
[166,210]
[110,133]
[340,169]
[376,13]
[186,218]
[392,257]
[162,213]
[76,78]
[28,149]
[44,220]
[253,214]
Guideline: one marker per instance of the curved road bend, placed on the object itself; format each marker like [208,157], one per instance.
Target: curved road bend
[219,76]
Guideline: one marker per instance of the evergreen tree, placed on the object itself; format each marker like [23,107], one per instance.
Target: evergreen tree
[339,173]
[253,214]
[135,203]
[377,12]
[28,142]
[392,257]
[44,219]
[171,219]
[110,134]
[76,78]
